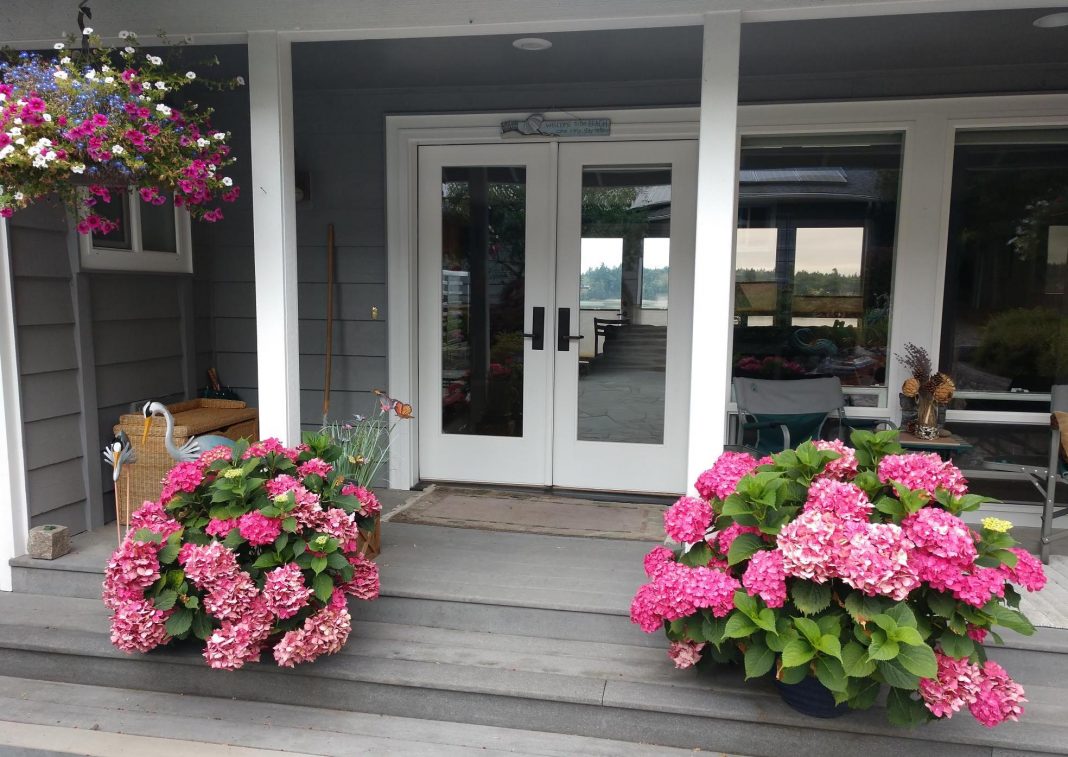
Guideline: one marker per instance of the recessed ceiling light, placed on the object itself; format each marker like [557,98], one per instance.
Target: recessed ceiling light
[532,43]
[1052,20]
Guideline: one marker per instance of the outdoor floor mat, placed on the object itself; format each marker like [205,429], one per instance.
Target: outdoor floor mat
[532,512]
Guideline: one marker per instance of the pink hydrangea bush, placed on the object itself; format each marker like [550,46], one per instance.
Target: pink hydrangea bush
[852,565]
[252,550]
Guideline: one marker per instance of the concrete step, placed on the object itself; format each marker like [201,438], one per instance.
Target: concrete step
[579,687]
[43,717]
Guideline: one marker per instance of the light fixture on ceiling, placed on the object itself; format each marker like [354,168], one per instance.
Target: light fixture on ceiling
[1051,21]
[532,43]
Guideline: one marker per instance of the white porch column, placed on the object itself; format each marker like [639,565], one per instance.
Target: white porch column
[275,234]
[714,259]
[14,519]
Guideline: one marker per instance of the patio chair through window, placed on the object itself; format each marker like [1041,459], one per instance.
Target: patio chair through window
[788,412]
[1045,479]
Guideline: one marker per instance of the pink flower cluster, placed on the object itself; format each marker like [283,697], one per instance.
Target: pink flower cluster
[284,591]
[845,500]
[844,466]
[325,632]
[308,509]
[923,472]
[240,641]
[765,577]
[133,567]
[1028,572]
[722,478]
[371,505]
[137,625]
[655,561]
[152,516]
[183,477]
[258,529]
[316,467]
[678,591]
[268,447]
[687,520]
[365,581]
[725,538]
[685,654]
[813,542]
[991,695]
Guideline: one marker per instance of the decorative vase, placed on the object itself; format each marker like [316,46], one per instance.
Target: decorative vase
[812,698]
[926,416]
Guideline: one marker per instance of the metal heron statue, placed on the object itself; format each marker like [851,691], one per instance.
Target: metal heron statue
[193,446]
[119,453]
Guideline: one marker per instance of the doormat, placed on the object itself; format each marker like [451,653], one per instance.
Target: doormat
[532,513]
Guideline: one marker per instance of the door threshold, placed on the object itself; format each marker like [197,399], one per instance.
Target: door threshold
[596,495]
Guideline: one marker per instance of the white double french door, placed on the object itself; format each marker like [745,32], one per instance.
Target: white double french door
[555,303]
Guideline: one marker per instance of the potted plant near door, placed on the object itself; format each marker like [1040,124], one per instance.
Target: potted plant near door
[844,570]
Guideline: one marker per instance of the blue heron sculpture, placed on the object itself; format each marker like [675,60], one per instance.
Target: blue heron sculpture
[119,453]
[193,446]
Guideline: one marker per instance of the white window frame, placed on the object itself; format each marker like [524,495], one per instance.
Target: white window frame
[137,258]
[921,242]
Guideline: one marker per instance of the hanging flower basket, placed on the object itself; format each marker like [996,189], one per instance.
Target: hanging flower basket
[78,123]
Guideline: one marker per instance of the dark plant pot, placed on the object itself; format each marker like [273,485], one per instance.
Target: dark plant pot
[812,698]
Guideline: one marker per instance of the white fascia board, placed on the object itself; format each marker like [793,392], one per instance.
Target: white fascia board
[33,24]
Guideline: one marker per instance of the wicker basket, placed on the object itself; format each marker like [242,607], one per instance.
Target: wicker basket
[229,418]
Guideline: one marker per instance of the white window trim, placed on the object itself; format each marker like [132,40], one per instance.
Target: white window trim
[137,258]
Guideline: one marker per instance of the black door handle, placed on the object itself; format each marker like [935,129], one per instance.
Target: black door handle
[563,330]
[537,336]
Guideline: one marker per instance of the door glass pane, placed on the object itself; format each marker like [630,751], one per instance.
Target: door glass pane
[817,217]
[623,279]
[483,237]
[1005,314]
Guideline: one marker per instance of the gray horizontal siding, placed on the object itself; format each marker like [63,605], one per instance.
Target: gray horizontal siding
[52,431]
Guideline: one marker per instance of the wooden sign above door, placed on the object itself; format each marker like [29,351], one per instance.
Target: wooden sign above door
[536,125]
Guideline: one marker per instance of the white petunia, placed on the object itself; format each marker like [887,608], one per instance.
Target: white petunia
[90,74]
[50,155]
[58,46]
[65,60]
[161,86]
[7,150]
[20,141]
[109,79]
[124,34]
[59,74]
[219,135]
[117,150]
[239,80]
[190,75]
[105,69]
[129,50]
[201,142]
[14,131]
[155,60]
[227,181]
[87,31]
[18,196]
[18,121]
[78,168]
[47,116]
[40,162]
[163,109]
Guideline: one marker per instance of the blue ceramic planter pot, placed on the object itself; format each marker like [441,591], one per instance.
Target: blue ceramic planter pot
[812,698]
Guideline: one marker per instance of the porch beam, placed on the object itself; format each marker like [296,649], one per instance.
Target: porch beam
[717,171]
[274,234]
[14,516]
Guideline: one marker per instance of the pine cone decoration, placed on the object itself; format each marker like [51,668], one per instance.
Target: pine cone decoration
[911,387]
[943,393]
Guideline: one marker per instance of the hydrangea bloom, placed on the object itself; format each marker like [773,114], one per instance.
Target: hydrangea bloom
[339,524]
[240,641]
[316,467]
[134,563]
[183,477]
[941,534]
[955,686]
[812,543]
[152,516]
[284,591]
[687,520]
[876,561]
[371,505]
[978,587]
[220,528]
[258,529]
[1028,572]
[656,560]
[685,654]
[765,577]
[325,632]
[205,564]
[365,582]
[722,478]
[846,500]
[679,590]
[222,452]
[844,466]
[268,447]
[998,698]
[923,473]
[138,626]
